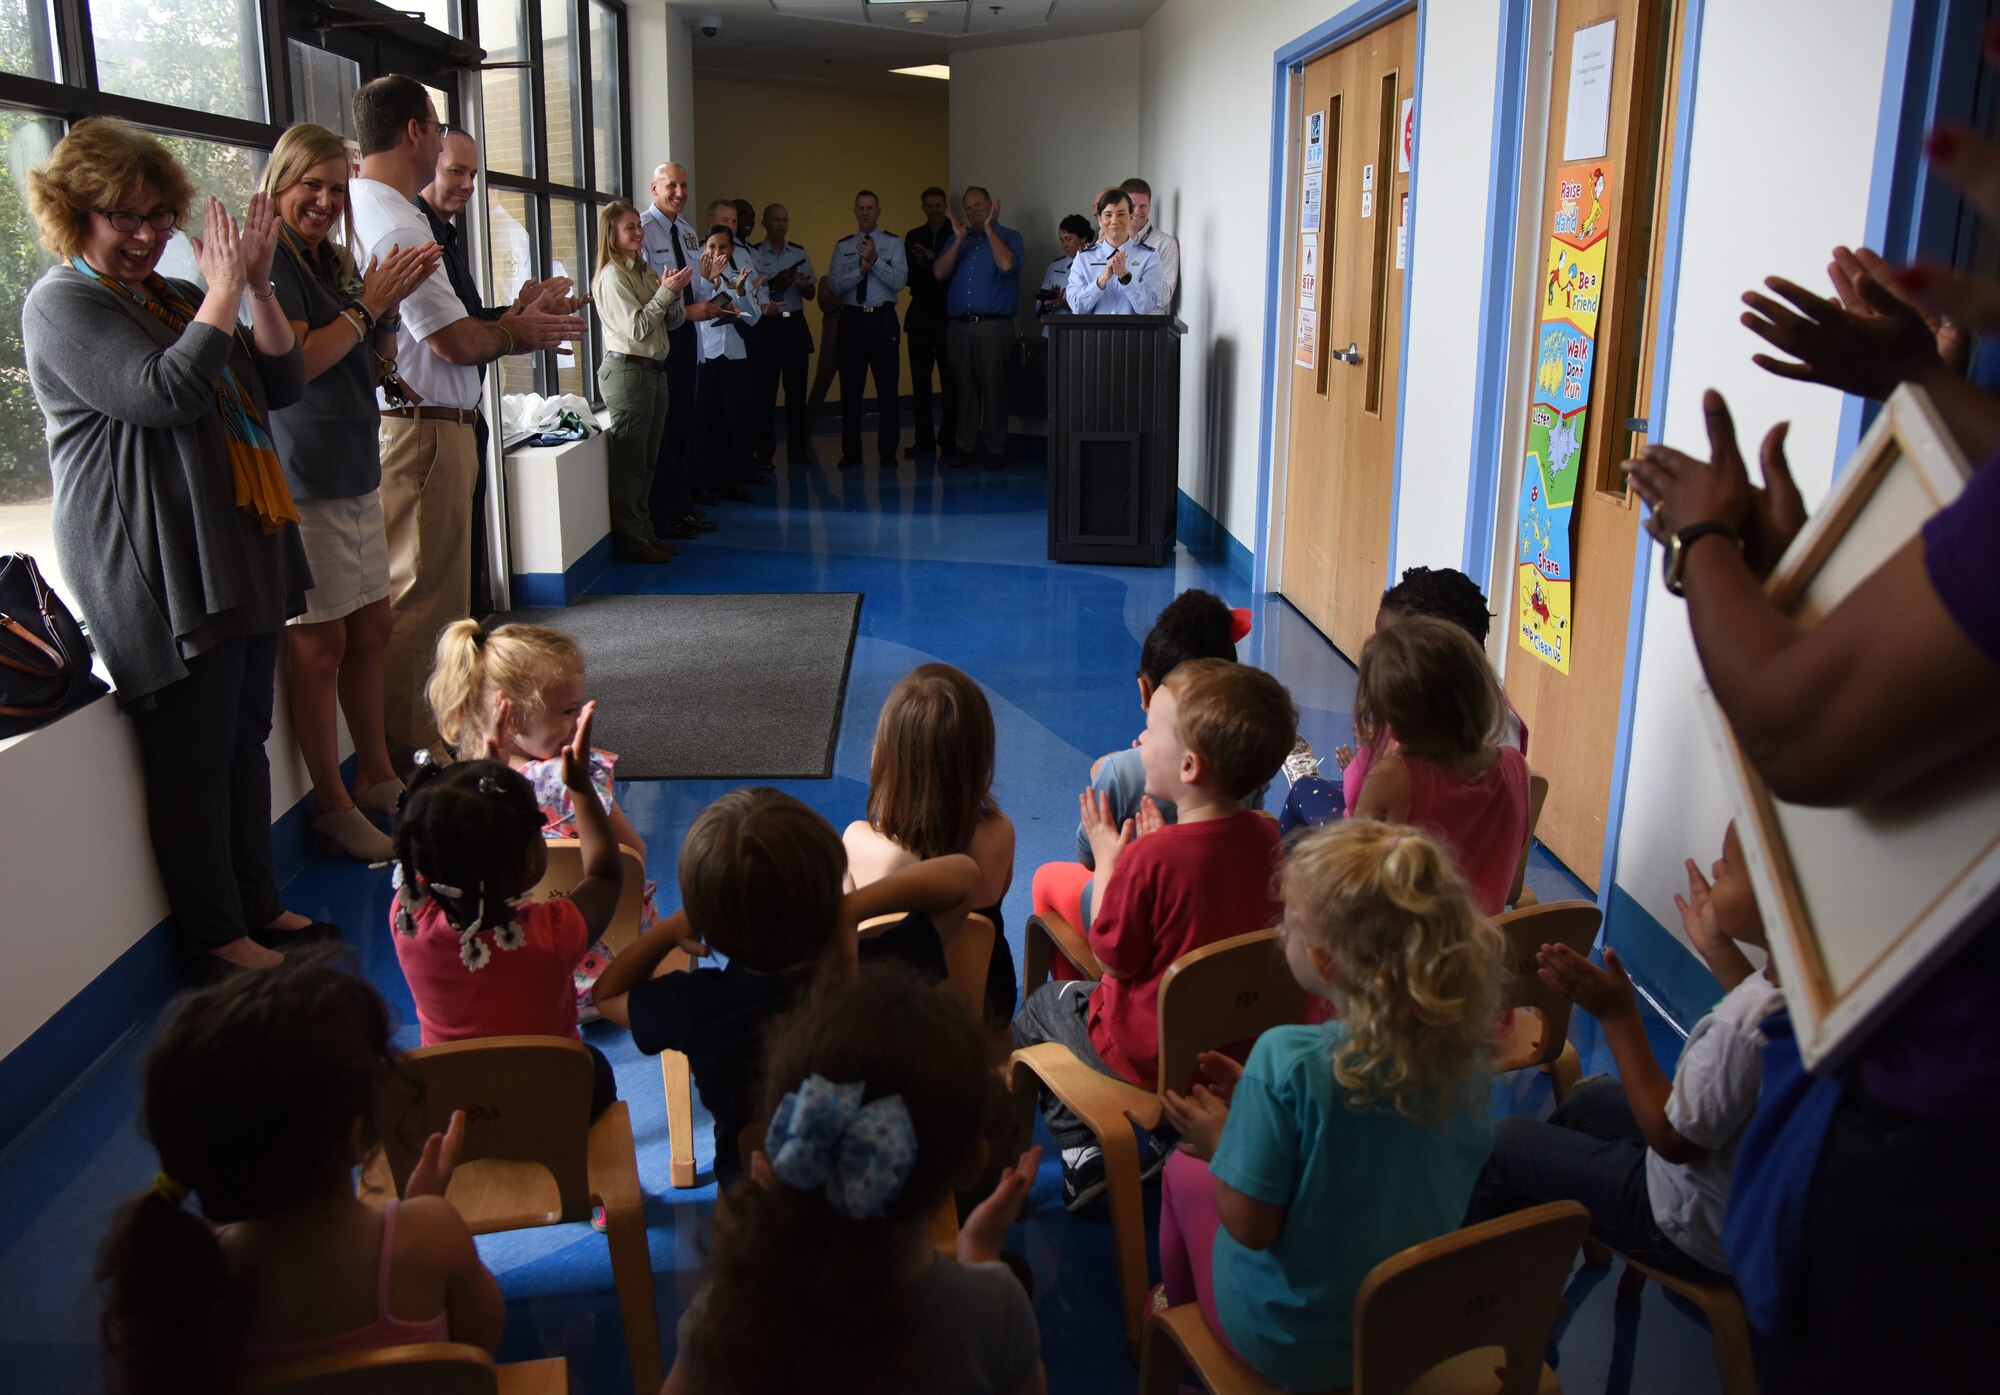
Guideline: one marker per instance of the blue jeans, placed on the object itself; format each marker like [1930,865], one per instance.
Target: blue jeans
[1590,1151]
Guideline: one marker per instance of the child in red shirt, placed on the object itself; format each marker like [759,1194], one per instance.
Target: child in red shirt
[480,962]
[1215,731]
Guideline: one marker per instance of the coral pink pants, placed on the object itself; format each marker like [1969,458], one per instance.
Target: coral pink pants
[1058,887]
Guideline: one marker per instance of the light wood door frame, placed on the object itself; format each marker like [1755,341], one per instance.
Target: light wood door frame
[1341,468]
[1609,550]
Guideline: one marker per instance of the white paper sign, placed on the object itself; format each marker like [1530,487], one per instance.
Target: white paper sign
[1403,234]
[1309,273]
[1368,205]
[1367,178]
[1406,142]
[1315,139]
[1309,203]
[1587,125]
[1305,352]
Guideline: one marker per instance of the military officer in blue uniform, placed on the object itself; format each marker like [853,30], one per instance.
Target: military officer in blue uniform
[1115,275]
[782,342]
[670,244]
[866,271]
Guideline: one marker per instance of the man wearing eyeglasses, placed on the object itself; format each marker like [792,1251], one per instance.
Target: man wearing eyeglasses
[430,455]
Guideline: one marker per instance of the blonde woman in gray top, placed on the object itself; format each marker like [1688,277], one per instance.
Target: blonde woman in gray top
[637,309]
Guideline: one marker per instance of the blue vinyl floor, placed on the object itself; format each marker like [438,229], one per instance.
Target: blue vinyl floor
[952,566]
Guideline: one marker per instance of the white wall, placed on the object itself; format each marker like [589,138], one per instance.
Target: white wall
[662,77]
[1771,187]
[1044,127]
[75,857]
[1205,145]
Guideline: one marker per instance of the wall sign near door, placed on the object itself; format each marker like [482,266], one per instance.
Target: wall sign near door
[1587,123]
[1558,410]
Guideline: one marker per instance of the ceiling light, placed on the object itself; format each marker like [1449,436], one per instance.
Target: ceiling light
[929,70]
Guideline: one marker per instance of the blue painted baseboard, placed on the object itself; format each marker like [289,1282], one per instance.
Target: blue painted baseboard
[548,589]
[1198,528]
[1680,984]
[64,1051]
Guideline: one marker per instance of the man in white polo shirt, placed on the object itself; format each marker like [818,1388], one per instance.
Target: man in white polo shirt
[429,457]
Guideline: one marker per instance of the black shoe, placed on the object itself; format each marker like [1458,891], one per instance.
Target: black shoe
[735,494]
[284,941]
[963,459]
[996,461]
[1085,1182]
[848,461]
[706,496]
[920,450]
[761,477]
[1153,1154]
[801,455]
[683,531]
[697,524]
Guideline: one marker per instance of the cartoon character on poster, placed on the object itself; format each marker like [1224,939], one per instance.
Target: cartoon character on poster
[1558,412]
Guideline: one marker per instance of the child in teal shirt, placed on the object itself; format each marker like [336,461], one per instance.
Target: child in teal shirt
[1341,1144]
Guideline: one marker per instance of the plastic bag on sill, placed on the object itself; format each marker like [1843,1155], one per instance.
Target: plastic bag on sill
[545,421]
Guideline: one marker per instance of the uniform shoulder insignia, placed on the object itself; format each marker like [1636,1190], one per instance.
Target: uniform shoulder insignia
[793,247]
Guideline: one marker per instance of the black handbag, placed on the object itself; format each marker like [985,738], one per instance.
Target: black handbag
[44,658]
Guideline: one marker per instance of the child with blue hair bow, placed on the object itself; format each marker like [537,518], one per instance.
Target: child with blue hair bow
[881,1104]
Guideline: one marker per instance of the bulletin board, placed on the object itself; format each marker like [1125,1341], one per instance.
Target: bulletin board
[1861,904]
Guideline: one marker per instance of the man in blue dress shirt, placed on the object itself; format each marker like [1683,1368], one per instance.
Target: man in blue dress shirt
[1115,275]
[670,244]
[782,342]
[866,272]
[981,262]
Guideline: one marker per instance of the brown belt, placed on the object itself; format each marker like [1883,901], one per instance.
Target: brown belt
[464,416]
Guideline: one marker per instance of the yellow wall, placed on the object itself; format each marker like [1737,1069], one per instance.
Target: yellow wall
[810,148]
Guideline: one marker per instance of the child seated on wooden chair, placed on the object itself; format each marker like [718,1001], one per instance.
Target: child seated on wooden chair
[1341,1143]
[481,961]
[880,1102]
[1651,1157]
[514,694]
[760,876]
[1215,731]
[1194,625]
[251,1248]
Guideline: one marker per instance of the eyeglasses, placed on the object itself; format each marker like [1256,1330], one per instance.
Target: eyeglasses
[126,221]
[443,128]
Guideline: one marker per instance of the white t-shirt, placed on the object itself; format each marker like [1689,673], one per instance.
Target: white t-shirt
[383,218]
[1715,1093]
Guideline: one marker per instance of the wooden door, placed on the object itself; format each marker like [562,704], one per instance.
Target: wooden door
[1340,464]
[1573,717]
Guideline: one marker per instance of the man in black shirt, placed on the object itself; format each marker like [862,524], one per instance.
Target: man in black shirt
[923,326]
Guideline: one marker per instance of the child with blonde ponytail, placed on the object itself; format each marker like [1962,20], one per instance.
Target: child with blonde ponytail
[521,687]
[1339,1144]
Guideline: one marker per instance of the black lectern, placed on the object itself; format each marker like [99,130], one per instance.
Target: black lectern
[1114,437]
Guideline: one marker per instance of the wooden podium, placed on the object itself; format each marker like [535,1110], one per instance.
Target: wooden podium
[1114,437]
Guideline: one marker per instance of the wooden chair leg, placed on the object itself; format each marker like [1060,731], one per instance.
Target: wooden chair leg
[1564,1072]
[1729,1326]
[614,1181]
[680,1117]
[1160,1361]
[1128,1229]
[1596,1254]
[1631,1284]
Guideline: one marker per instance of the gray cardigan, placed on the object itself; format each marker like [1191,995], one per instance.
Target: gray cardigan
[162,562]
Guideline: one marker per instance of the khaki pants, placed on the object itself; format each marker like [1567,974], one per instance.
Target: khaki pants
[428,468]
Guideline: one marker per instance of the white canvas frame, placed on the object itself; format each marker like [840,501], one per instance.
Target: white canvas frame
[1861,904]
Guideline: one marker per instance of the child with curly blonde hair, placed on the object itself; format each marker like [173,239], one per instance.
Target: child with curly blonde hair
[1339,1144]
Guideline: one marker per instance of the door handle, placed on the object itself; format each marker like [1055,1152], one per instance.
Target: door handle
[1352,355]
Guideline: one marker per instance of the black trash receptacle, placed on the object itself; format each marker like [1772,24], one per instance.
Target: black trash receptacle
[1114,437]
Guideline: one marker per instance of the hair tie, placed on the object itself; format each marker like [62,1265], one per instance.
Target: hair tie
[823,1137]
[489,785]
[170,1191]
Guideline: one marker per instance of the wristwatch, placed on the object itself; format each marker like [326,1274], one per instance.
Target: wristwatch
[1673,561]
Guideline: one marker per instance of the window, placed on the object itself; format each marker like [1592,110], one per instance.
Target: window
[231,173]
[607,110]
[512,221]
[25,141]
[200,55]
[323,87]
[441,15]
[509,92]
[28,39]
[569,106]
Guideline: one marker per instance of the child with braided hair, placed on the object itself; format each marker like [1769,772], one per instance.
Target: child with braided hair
[481,960]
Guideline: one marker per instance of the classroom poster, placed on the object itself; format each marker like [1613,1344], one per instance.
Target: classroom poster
[1306,350]
[1558,410]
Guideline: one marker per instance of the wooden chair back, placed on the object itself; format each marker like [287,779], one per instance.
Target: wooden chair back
[968,954]
[1538,795]
[565,870]
[526,1101]
[1223,993]
[426,1368]
[1572,923]
[1497,1284]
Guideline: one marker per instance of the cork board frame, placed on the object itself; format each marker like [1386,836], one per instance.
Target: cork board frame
[1861,903]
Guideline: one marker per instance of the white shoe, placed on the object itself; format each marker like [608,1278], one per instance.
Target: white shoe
[1300,763]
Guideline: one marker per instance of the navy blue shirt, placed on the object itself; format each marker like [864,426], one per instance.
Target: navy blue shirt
[978,285]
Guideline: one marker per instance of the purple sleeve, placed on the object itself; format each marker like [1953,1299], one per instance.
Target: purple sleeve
[1959,555]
